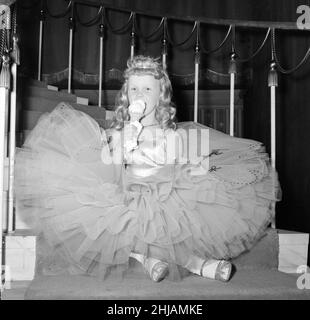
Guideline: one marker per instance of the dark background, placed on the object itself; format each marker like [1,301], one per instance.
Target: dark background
[293,94]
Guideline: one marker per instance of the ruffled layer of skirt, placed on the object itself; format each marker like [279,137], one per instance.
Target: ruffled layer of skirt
[65,191]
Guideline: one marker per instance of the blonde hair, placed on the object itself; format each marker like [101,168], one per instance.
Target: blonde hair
[165,111]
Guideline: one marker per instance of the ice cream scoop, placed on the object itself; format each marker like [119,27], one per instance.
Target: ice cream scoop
[136,110]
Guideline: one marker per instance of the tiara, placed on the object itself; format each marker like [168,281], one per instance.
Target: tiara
[143,69]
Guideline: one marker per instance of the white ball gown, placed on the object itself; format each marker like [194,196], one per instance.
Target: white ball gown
[95,212]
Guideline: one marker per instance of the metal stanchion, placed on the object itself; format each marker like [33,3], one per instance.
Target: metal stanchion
[232,71]
[42,17]
[5,79]
[197,62]
[71,30]
[101,39]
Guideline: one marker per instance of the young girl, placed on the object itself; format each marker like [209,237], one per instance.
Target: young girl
[101,197]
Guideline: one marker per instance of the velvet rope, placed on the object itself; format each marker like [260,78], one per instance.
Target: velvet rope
[121,29]
[92,21]
[205,51]
[58,15]
[151,34]
[276,59]
[256,52]
[169,38]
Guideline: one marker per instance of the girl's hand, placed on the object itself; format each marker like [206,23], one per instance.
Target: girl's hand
[131,133]
[135,116]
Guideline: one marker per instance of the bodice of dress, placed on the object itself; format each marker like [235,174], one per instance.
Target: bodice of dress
[154,154]
[151,157]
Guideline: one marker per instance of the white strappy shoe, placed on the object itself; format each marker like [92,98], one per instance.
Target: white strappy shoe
[216,269]
[156,269]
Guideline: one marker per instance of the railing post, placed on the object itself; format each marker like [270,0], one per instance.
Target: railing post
[42,18]
[101,37]
[164,46]
[197,62]
[5,79]
[164,54]
[71,30]
[232,71]
[12,137]
[273,83]
[133,38]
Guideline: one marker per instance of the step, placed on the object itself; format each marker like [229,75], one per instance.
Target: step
[136,285]
[15,290]
[34,91]
[46,105]
[26,81]
[25,252]
[293,251]
[20,255]
[108,97]
[29,118]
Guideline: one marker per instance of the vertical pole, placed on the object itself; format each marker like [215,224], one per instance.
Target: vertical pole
[4,103]
[232,71]
[42,16]
[273,83]
[132,42]
[3,95]
[71,27]
[232,104]
[164,46]
[132,45]
[70,60]
[197,62]
[273,125]
[12,148]
[164,54]
[101,37]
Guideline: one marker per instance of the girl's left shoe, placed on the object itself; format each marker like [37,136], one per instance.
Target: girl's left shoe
[216,269]
[156,269]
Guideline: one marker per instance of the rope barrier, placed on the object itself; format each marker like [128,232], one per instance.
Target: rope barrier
[171,42]
[167,38]
[121,29]
[58,15]
[258,49]
[151,34]
[280,68]
[91,22]
[207,52]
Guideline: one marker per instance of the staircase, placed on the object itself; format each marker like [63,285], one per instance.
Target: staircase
[268,271]
[36,98]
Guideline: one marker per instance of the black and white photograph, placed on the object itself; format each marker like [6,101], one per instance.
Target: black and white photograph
[154,155]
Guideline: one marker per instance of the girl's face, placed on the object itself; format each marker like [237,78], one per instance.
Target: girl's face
[146,88]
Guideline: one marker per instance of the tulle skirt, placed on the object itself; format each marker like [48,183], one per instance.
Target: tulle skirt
[94,214]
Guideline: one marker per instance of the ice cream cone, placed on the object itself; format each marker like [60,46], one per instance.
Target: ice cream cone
[136,110]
